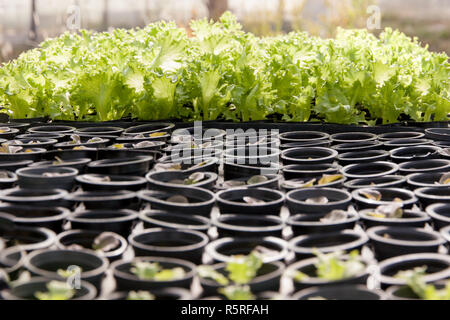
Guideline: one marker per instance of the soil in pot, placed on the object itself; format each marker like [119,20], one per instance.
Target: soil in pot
[317,200]
[43,143]
[55,264]
[401,135]
[104,200]
[138,166]
[47,178]
[236,171]
[362,157]
[337,220]
[325,181]
[247,226]
[171,220]
[389,181]
[352,292]
[127,276]
[114,220]
[270,181]
[270,248]
[374,197]
[194,164]
[182,244]
[405,154]
[347,240]
[29,289]
[254,155]
[82,142]
[437,268]
[308,155]
[173,180]
[250,200]
[32,216]
[428,196]
[188,200]
[421,166]
[102,182]
[389,242]
[398,143]
[107,244]
[369,170]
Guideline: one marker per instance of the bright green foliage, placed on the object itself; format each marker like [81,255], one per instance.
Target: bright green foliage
[244,268]
[223,73]
[414,279]
[153,271]
[237,293]
[57,290]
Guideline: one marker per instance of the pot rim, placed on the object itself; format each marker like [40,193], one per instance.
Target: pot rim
[279,223]
[143,195]
[143,215]
[372,233]
[411,200]
[126,215]
[393,168]
[431,211]
[280,194]
[291,222]
[348,196]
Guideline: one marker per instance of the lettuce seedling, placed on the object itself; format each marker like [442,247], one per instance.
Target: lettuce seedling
[140,295]
[414,280]
[237,292]
[57,290]
[153,271]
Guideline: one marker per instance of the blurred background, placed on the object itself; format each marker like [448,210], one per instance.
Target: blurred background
[25,23]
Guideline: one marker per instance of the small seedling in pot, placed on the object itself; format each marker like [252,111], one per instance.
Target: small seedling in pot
[153,271]
[324,180]
[317,200]
[334,266]
[144,144]
[6,148]
[178,199]
[57,290]
[58,161]
[335,216]
[75,139]
[69,272]
[4,175]
[140,295]
[389,211]
[251,200]
[194,178]
[414,280]
[105,242]
[97,178]
[445,179]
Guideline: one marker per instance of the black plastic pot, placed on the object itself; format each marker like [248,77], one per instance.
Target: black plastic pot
[102,200]
[254,155]
[353,137]
[149,128]
[398,143]
[163,180]
[69,145]
[56,136]
[166,294]
[36,178]
[247,226]
[358,146]
[410,218]
[78,164]
[428,196]
[352,292]
[43,143]
[93,182]
[10,133]
[27,290]
[422,166]
[193,164]
[286,186]
[296,200]
[138,166]
[313,143]
[34,154]
[233,201]
[139,138]
[308,155]
[22,127]
[12,260]
[308,171]
[85,239]
[442,134]
[267,278]
[114,220]
[438,268]
[408,199]
[249,141]
[302,136]
[310,223]
[127,281]
[406,293]
[429,179]
[362,157]
[271,248]
[235,171]
[34,197]
[346,240]
[170,220]
[14,165]
[157,242]
[405,154]
[46,263]
[445,232]
[70,154]
[440,214]
[369,170]
[308,267]
[389,242]
[52,129]
[99,131]
[388,181]
[9,181]
[200,201]
[272,182]
[32,216]
[196,133]
[401,135]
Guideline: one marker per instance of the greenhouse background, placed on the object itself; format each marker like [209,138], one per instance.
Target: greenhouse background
[25,23]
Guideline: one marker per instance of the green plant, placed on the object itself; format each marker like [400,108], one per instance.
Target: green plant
[153,271]
[414,280]
[335,266]
[140,295]
[57,290]
[237,292]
